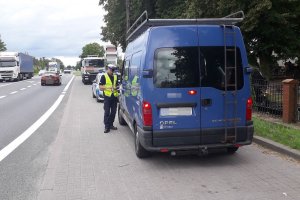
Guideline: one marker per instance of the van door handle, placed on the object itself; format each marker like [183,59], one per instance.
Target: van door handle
[206,102]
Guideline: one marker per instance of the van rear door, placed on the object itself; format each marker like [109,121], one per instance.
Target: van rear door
[176,114]
[222,92]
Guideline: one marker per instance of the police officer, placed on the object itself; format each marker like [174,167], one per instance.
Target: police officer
[108,84]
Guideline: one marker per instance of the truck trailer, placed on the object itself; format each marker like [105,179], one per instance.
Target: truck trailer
[15,66]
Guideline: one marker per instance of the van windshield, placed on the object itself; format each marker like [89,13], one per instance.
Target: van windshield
[180,67]
[95,62]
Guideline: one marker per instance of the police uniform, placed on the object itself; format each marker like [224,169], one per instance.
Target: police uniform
[110,100]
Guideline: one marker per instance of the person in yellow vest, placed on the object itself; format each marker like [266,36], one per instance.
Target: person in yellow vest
[108,84]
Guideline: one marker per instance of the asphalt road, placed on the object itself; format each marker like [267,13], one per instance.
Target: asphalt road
[69,157]
[21,104]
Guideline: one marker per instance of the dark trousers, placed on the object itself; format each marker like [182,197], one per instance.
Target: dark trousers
[110,108]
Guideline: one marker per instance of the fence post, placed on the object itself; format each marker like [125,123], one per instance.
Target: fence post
[289,101]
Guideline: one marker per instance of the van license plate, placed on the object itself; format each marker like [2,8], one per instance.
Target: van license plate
[180,111]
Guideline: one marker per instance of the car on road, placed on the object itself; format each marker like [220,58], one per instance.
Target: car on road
[67,71]
[51,78]
[96,92]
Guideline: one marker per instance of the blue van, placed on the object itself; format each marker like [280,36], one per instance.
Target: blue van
[185,86]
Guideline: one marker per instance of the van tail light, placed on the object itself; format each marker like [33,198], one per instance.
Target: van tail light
[147,113]
[192,92]
[249,109]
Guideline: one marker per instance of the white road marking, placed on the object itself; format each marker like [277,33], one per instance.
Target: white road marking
[29,86]
[25,135]
[5,85]
[23,88]
[14,92]
[34,84]
[1,97]
[68,85]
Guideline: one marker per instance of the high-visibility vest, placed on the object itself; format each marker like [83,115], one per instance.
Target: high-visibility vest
[108,84]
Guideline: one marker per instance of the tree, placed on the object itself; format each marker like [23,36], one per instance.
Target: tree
[92,49]
[2,45]
[41,63]
[78,65]
[115,19]
[62,66]
[271,28]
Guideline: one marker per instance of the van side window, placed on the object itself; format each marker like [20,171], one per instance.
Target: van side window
[125,70]
[135,65]
[176,67]
[212,67]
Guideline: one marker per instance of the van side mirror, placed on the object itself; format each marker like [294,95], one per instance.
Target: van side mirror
[147,73]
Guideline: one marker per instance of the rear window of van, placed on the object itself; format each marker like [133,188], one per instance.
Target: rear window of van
[176,67]
[183,67]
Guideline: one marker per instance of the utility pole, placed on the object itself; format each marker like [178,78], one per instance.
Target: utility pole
[127,14]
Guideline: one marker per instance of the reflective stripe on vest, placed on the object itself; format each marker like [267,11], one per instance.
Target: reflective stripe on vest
[108,83]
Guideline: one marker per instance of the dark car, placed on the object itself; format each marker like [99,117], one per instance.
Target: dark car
[50,78]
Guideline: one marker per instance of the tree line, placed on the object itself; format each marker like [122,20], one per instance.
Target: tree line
[2,45]
[271,28]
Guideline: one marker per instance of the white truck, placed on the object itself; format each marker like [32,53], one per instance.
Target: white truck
[91,66]
[54,67]
[15,66]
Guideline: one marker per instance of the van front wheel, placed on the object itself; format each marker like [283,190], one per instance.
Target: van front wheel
[140,151]
[122,121]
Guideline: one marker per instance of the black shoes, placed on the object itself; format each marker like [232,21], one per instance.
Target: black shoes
[107,130]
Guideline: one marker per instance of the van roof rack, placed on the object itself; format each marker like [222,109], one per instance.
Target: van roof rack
[143,23]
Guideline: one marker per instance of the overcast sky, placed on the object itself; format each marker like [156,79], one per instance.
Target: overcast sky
[50,28]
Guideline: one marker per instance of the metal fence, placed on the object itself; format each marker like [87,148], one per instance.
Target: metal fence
[267,97]
[298,105]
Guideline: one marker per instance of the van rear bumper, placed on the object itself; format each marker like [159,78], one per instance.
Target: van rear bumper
[194,139]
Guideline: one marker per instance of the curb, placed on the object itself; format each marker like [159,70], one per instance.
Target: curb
[277,147]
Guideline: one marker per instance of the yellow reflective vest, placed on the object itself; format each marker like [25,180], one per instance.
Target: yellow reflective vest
[108,84]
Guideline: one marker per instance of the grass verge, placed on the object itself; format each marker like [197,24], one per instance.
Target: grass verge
[279,133]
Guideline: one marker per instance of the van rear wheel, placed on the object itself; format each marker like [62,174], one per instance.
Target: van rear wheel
[140,151]
[232,150]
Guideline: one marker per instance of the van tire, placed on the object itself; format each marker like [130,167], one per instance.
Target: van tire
[122,121]
[232,150]
[140,151]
